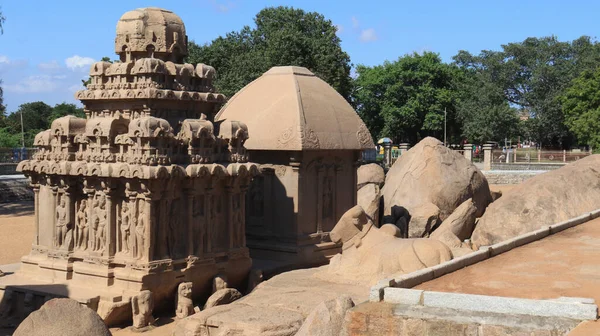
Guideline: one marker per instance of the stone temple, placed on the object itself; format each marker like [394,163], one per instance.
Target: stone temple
[147,191]
[308,141]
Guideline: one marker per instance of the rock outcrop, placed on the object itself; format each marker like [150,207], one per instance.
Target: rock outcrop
[542,200]
[371,173]
[460,223]
[59,317]
[327,318]
[430,173]
[369,198]
[370,254]
[222,296]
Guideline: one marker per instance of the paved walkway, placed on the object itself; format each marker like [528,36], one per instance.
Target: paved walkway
[564,264]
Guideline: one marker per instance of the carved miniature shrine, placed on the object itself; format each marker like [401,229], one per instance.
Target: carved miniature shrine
[147,191]
[309,141]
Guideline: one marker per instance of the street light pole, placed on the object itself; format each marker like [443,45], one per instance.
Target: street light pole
[22,131]
[445,117]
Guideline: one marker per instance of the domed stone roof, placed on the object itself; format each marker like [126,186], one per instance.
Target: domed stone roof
[289,108]
[151,32]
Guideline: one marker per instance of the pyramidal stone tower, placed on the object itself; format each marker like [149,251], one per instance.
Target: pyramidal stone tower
[147,191]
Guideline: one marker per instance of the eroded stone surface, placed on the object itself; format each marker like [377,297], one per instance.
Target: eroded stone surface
[327,318]
[222,297]
[542,200]
[370,254]
[371,173]
[460,223]
[369,197]
[60,317]
[432,173]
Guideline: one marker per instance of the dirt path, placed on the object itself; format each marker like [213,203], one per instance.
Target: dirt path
[16,231]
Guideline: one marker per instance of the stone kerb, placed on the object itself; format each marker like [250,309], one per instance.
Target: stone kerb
[573,308]
[377,292]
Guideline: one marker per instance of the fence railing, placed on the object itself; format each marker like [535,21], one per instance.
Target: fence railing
[15,155]
[525,155]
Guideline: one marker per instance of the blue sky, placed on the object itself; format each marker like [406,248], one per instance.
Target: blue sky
[47,46]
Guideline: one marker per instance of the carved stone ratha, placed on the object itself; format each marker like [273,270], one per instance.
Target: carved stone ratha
[147,190]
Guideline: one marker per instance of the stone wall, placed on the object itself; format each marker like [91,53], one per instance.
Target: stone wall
[382,318]
[509,176]
[526,166]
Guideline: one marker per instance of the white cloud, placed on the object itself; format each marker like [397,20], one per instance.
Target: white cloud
[368,35]
[221,6]
[355,22]
[33,84]
[77,62]
[49,66]
[76,87]
[4,59]
[339,28]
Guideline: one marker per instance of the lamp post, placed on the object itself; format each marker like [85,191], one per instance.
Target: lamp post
[445,117]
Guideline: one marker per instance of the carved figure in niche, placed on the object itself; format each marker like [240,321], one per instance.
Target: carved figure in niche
[125,227]
[100,223]
[327,198]
[197,214]
[142,306]
[82,225]
[62,222]
[238,221]
[256,198]
[174,220]
[185,306]
[140,230]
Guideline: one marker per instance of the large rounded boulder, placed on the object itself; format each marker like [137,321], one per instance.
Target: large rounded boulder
[427,183]
[542,200]
[59,317]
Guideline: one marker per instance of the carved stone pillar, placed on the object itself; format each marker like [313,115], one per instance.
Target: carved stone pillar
[189,208]
[36,206]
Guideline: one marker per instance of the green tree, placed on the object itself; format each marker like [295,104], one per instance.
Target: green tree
[581,108]
[405,99]
[35,119]
[282,36]
[64,109]
[483,111]
[531,75]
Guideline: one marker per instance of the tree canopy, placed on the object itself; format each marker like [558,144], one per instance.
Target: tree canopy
[282,36]
[531,75]
[405,100]
[581,107]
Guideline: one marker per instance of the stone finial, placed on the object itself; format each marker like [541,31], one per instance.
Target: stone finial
[142,306]
[185,306]
[151,33]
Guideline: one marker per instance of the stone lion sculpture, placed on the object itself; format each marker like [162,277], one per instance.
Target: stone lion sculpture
[370,253]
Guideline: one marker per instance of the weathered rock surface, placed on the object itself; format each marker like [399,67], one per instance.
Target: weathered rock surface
[276,307]
[371,173]
[327,318]
[369,197]
[59,317]
[542,200]
[432,173]
[222,297]
[423,218]
[461,222]
[370,254]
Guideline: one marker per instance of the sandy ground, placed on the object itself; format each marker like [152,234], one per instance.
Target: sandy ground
[565,264]
[17,230]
